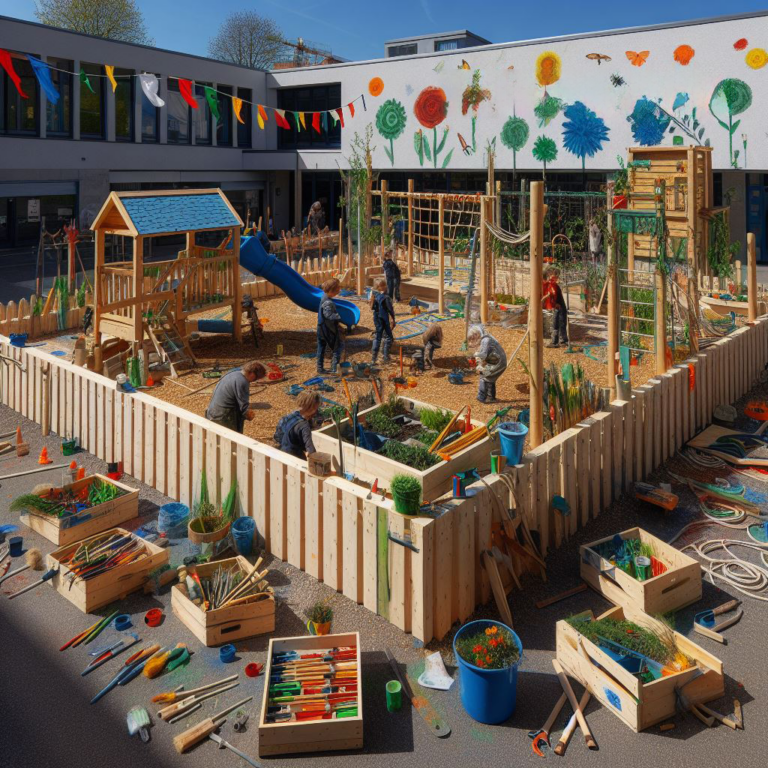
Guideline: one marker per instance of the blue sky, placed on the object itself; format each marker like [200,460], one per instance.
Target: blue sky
[358,30]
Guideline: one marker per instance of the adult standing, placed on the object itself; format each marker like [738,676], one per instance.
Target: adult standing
[316,218]
[230,402]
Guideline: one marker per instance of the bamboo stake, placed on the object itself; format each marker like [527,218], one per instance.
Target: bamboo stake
[441,257]
[751,278]
[484,262]
[661,329]
[410,227]
[535,316]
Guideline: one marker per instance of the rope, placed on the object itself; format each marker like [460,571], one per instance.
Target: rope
[511,238]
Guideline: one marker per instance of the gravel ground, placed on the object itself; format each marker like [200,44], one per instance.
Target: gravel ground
[47,718]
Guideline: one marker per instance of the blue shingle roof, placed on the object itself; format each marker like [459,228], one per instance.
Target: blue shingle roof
[178,213]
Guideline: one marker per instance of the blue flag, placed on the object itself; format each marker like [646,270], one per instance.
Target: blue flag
[43,74]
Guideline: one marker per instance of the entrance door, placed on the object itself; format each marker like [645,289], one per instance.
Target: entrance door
[756,219]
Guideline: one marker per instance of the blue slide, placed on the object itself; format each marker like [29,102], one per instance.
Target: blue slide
[255,259]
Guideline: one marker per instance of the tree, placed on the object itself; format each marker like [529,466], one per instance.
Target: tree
[514,136]
[545,151]
[247,39]
[113,19]
[583,131]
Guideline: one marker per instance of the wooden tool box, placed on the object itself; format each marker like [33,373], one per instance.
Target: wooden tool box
[638,704]
[315,735]
[227,624]
[90,521]
[114,585]
[678,586]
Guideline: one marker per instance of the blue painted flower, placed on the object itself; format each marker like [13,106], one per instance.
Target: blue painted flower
[680,101]
[583,131]
[649,122]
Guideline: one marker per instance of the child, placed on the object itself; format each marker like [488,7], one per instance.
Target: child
[491,362]
[294,431]
[383,320]
[329,334]
[392,273]
[553,299]
[433,339]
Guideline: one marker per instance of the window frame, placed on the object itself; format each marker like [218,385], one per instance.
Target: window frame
[121,75]
[8,92]
[293,100]
[246,94]
[176,91]
[99,89]
[57,75]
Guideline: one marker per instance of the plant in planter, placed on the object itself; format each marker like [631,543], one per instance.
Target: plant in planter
[410,455]
[320,616]
[207,524]
[379,422]
[435,419]
[488,654]
[406,493]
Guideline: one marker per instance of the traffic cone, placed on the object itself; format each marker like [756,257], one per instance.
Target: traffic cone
[150,381]
[44,457]
[19,441]
[73,465]
[80,474]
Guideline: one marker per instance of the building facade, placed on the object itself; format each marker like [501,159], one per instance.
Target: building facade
[566,107]
[446,41]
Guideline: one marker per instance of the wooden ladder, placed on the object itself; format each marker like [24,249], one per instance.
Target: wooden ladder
[172,347]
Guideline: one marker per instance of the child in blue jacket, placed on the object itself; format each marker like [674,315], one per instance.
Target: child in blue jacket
[383,320]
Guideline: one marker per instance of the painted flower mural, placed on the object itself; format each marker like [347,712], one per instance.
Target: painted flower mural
[583,131]
[548,68]
[474,95]
[390,123]
[514,136]
[731,97]
[376,86]
[548,109]
[430,109]
[757,58]
[683,54]
[545,151]
[649,122]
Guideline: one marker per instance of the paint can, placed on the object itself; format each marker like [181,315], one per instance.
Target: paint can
[279,350]
[498,462]
[394,695]
[227,653]
[153,617]
[642,568]
[15,546]
[123,622]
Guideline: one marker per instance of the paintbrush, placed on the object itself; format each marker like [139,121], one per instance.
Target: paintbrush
[172,696]
[47,576]
[109,654]
[34,560]
[130,667]
[185,704]
[100,627]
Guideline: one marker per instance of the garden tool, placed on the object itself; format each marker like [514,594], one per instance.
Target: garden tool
[139,722]
[500,414]
[172,696]
[704,621]
[540,738]
[226,745]
[47,576]
[111,653]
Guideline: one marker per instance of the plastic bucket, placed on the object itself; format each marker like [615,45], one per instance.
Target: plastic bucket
[487,695]
[512,436]
[242,532]
[407,503]
[172,520]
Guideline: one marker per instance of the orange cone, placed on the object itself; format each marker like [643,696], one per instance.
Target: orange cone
[80,473]
[44,457]
[73,465]
[19,441]
[150,381]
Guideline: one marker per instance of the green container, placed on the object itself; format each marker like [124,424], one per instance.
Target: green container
[394,695]
[68,447]
[642,568]
[407,503]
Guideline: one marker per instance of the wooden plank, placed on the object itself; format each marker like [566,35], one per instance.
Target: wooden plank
[138,439]
[71,405]
[629,443]
[656,425]
[382,562]
[638,399]
[197,452]
[211,465]
[666,402]
[277,511]
[370,560]
[171,463]
[583,457]
[313,526]
[618,410]
[244,475]
[93,424]
[332,538]
[294,505]
[150,419]
[554,486]
[605,420]
[463,588]
[443,563]
[127,434]
[483,519]
[110,414]
[542,513]
[422,570]
[101,427]
[568,482]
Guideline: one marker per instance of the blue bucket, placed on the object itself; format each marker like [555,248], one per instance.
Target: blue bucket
[487,695]
[172,520]
[512,435]
[242,532]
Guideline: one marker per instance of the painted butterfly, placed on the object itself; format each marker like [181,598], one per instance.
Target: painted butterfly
[638,58]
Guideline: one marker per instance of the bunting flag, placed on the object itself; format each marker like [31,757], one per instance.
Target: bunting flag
[296,118]
[316,121]
[340,113]
[261,113]
[150,86]
[185,89]
[43,74]
[237,105]
[213,102]
[325,121]
[111,75]
[303,124]
[7,63]
[362,96]
[351,108]
[85,81]
[280,119]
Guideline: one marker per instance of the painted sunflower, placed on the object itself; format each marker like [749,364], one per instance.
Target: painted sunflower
[757,58]
[375,86]
[431,107]
[548,68]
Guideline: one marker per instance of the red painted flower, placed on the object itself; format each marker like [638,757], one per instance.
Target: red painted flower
[431,107]
[741,44]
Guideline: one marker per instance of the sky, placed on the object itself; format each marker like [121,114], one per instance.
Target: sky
[358,30]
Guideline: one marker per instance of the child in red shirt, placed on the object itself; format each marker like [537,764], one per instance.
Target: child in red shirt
[553,299]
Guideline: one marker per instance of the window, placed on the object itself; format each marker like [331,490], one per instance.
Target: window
[59,115]
[92,102]
[244,128]
[202,117]
[402,50]
[446,45]
[308,100]
[224,123]
[124,99]
[150,118]
[19,116]
[179,117]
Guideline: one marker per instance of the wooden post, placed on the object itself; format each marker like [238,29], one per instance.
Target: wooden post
[441,256]
[384,219]
[410,227]
[614,311]
[751,278]
[45,369]
[483,262]
[340,260]
[237,288]
[535,317]
[98,298]
[523,204]
[738,276]
[71,265]
[661,326]
[497,206]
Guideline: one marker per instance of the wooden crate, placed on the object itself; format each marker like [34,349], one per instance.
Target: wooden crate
[92,520]
[316,735]
[640,705]
[223,625]
[679,586]
[115,585]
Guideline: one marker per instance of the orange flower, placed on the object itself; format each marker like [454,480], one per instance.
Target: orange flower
[375,86]
[478,649]
[494,630]
[480,663]
[684,54]
[488,659]
[548,68]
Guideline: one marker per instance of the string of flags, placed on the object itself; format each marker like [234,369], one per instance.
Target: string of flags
[150,87]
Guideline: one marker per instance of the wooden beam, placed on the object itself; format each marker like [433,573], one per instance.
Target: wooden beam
[661,327]
[97,284]
[410,227]
[483,262]
[535,316]
[384,218]
[237,288]
[751,278]
[138,288]
[440,255]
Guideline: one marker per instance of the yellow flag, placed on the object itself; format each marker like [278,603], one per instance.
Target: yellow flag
[261,122]
[111,75]
[301,117]
[238,105]
[261,114]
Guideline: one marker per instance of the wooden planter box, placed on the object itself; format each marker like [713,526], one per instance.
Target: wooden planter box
[640,705]
[115,585]
[435,481]
[679,586]
[316,735]
[92,520]
[223,625]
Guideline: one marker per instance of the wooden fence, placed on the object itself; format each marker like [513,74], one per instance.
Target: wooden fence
[332,529]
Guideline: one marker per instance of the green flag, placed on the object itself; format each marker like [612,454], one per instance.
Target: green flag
[85,81]
[213,101]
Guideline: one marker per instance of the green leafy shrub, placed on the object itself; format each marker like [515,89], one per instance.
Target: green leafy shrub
[393,407]
[428,436]
[320,612]
[435,418]
[378,421]
[411,456]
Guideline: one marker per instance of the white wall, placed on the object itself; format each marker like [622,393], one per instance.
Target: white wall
[509,73]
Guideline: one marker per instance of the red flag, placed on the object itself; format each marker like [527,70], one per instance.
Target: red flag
[280,119]
[316,121]
[351,107]
[340,113]
[185,89]
[7,63]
